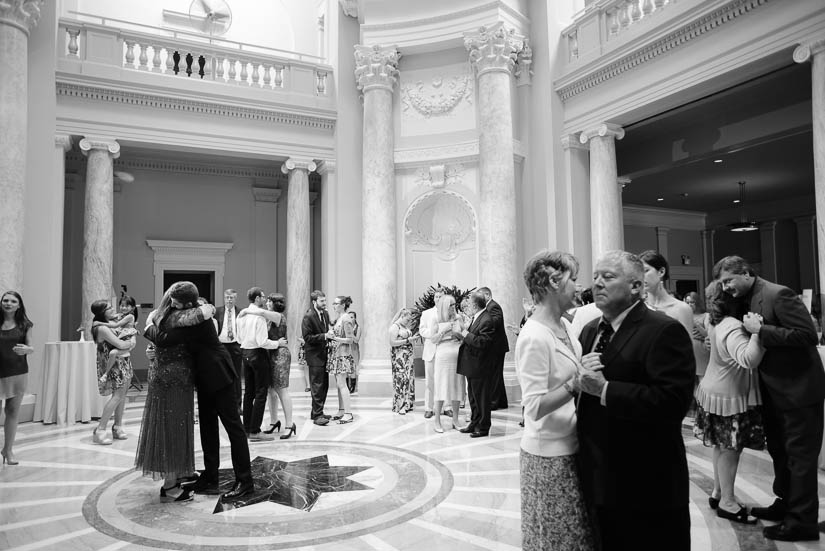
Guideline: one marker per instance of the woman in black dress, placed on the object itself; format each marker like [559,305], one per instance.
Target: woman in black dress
[15,345]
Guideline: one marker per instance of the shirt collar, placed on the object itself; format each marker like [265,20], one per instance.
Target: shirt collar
[475,317]
[617,322]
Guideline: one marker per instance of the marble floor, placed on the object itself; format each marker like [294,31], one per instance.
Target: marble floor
[384,482]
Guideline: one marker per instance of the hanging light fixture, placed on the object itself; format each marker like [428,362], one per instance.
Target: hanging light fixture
[744,224]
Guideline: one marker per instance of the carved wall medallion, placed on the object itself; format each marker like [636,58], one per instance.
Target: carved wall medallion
[438,97]
[439,176]
[441,221]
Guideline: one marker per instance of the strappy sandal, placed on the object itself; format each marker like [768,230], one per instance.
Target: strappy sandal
[346,418]
[741,516]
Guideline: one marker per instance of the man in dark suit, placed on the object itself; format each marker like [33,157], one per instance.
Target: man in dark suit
[227,316]
[476,361]
[792,384]
[214,378]
[315,331]
[498,392]
[636,385]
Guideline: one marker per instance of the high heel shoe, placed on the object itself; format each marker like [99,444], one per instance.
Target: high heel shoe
[273,428]
[102,440]
[118,433]
[175,493]
[289,431]
[7,460]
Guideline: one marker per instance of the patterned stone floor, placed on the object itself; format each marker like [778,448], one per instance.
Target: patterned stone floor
[384,482]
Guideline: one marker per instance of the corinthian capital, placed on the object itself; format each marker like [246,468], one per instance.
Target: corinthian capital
[96,142]
[493,48]
[23,14]
[803,52]
[296,162]
[376,67]
[602,130]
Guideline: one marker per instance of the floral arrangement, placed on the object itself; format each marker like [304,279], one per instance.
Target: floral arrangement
[427,301]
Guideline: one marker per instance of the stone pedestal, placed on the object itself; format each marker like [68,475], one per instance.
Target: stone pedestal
[376,71]
[815,52]
[297,247]
[606,218]
[17,18]
[98,223]
[492,51]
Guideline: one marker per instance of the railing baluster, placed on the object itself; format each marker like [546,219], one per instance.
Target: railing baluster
[624,18]
[573,45]
[156,58]
[189,61]
[267,76]
[647,7]
[635,10]
[279,76]
[143,59]
[256,75]
[613,21]
[170,60]
[219,69]
[73,47]
[321,82]
[232,74]
[244,72]
[130,54]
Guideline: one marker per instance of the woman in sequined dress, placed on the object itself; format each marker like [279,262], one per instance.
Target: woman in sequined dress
[165,448]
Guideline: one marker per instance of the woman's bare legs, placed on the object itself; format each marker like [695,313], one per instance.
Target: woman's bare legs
[286,403]
[12,410]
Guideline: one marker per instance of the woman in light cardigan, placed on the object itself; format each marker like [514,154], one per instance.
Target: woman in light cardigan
[553,511]
[728,416]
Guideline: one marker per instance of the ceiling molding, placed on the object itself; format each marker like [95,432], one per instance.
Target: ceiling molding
[673,219]
[584,79]
[197,107]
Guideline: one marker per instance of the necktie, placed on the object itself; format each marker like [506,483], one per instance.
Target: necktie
[229,333]
[607,332]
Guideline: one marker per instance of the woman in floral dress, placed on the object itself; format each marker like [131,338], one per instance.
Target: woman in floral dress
[340,362]
[401,354]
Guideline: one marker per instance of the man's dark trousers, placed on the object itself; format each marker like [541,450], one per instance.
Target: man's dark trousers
[257,375]
[212,406]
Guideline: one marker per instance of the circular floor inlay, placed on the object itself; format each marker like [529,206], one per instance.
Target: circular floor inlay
[308,492]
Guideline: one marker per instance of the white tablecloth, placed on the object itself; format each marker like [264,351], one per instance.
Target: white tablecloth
[69,392]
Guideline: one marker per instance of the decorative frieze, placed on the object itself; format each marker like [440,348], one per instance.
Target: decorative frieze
[439,176]
[376,67]
[493,48]
[139,99]
[23,14]
[438,97]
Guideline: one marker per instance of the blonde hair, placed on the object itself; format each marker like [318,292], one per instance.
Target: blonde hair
[443,308]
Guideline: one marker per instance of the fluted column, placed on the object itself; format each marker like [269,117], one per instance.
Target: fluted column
[815,53]
[297,246]
[492,52]
[576,222]
[98,222]
[607,226]
[17,18]
[376,71]
[329,213]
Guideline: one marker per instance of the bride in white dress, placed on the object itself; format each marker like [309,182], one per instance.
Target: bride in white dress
[447,384]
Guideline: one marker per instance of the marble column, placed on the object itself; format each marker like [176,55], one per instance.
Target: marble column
[607,230]
[329,215]
[376,71]
[492,53]
[815,53]
[577,206]
[297,247]
[56,204]
[98,222]
[767,244]
[806,239]
[17,18]
[707,253]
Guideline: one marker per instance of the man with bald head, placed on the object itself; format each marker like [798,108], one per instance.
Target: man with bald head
[636,387]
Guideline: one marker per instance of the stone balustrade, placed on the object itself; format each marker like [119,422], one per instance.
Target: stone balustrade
[182,55]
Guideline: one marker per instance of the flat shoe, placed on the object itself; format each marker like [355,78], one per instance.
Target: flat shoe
[740,516]
[439,430]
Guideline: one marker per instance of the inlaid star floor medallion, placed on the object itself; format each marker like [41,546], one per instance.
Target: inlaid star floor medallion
[297,484]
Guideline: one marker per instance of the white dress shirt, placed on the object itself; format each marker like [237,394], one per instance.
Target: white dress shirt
[252,331]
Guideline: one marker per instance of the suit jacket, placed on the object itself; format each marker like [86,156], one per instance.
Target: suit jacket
[791,370]
[220,313]
[632,451]
[214,369]
[427,328]
[315,343]
[476,355]
[501,346]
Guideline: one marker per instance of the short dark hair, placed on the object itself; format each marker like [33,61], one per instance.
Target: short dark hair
[185,292]
[315,295]
[278,302]
[547,265]
[653,258]
[733,264]
[478,298]
[254,293]
[345,301]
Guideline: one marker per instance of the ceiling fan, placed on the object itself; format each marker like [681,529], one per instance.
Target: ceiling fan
[214,16]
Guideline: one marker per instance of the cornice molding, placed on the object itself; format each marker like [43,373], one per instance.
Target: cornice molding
[63,141]
[672,219]
[326,167]
[602,130]
[151,101]
[454,153]
[300,163]
[183,167]
[107,144]
[266,194]
[174,250]
[376,67]
[572,141]
[439,19]
[804,52]
[675,39]
[21,14]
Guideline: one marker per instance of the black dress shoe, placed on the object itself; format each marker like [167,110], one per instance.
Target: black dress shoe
[428,414]
[241,489]
[782,532]
[775,511]
[467,430]
[202,486]
[479,434]
[321,421]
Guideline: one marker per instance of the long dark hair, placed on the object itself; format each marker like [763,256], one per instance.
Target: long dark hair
[20,318]
[130,301]
[720,304]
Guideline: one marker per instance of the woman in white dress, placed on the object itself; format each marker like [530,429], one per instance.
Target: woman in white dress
[447,384]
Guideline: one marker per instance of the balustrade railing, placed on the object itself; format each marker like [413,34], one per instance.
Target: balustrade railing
[186,57]
[606,21]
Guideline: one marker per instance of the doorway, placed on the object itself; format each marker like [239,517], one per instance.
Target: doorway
[203,279]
